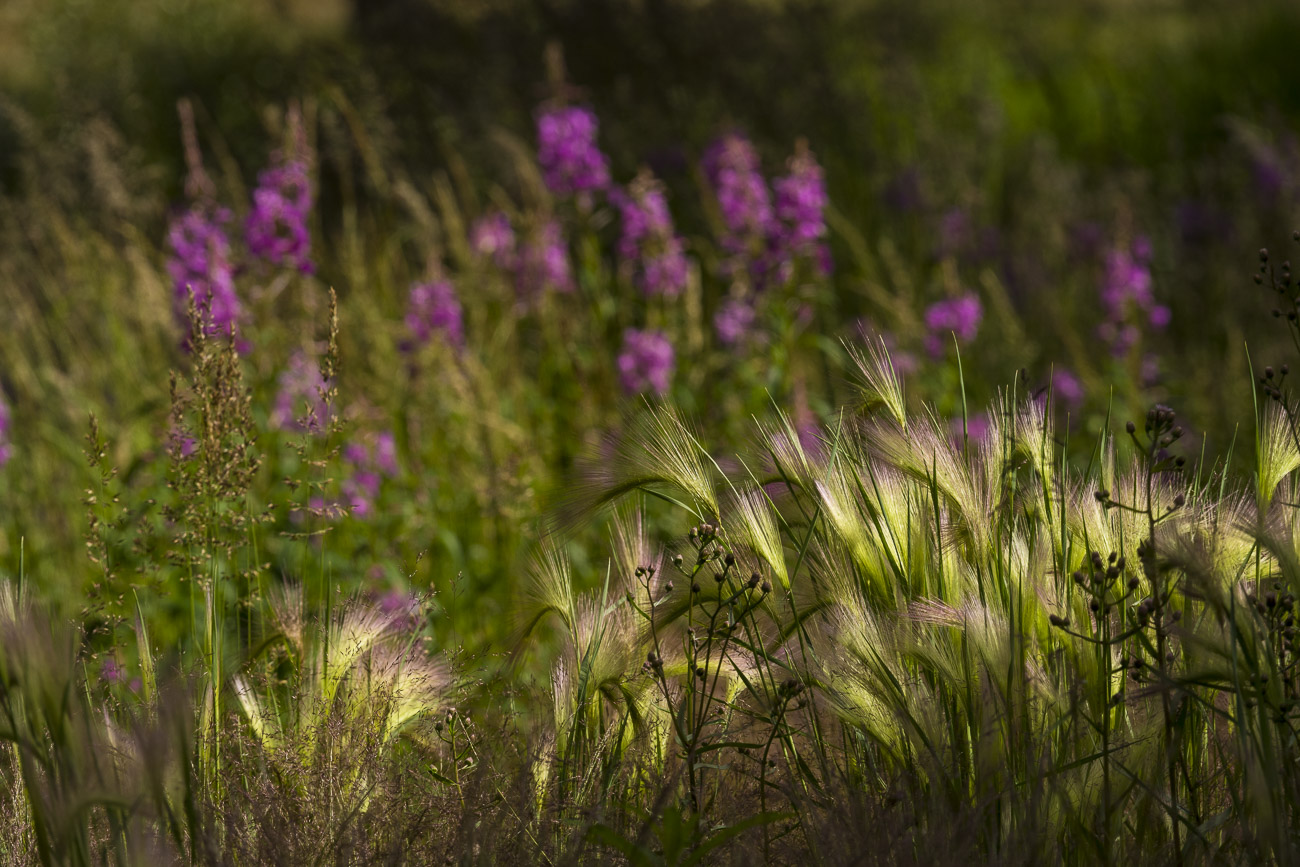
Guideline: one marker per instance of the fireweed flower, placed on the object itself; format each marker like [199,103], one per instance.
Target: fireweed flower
[646,362]
[544,263]
[402,609]
[1126,297]
[734,321]
[300,402]
[960,316]
[648,244]
[277,224]
[976,428]
[433,308]
[732,167]
[493,237]
[801,201]
[201,265]
[368,465]
[1067,391]
[799,229]
[571,161]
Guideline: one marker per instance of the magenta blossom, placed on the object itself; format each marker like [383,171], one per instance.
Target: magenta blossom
[648,244]
[977,429]
[1127,297]
[493,237]
[368,464]
[646,362]
[1067,391]
[300,402]
[544,263]
[732,167]
[201,265]
[276,230]
[571,161]
[433,308]
[734,321]
[960,316]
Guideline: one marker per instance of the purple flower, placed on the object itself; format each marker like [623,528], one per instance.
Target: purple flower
[570,159]
[732,167]
[646,362]
[433,307]
[1066,389]
[801,201]
[180,444]
[368,465]
[1126,295]
[385,453]
[277,224]
[493,237]
[402,608]
[648,244]
[976,429]
[960,316]
[300,402]
[111,672]
[734,321]
[799,229]
[544,262]
[201,264]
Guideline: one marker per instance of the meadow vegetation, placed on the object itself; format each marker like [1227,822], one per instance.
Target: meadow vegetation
[738,432]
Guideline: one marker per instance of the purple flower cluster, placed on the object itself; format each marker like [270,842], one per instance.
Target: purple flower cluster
[277,224]
[976,429]
[544,262]
[402,608]
[734,321]
[434,308]
[801,202]
[1067,391]
[493,237]
[768,231]
[646,362]
[648,242]
[369,465]
[300,402]
[732,167]
[6,424]
[1126,297]
[960,316]
[201,264]
[571,161]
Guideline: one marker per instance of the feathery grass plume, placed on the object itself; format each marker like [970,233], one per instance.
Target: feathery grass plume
[352,635]
[549,589]
[1277,455]
[925,452]
[633,551]
[861,523]
[790,458]
[861,683]
[880,386]
[751,517]
[410,686]
[656,451]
